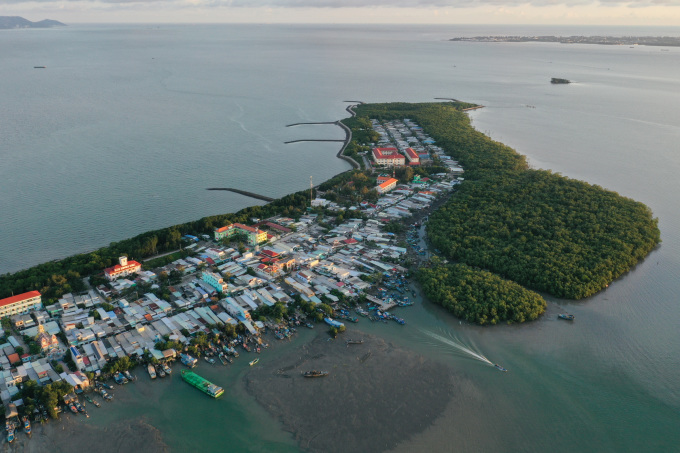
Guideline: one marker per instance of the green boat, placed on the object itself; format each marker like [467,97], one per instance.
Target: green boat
[202,384]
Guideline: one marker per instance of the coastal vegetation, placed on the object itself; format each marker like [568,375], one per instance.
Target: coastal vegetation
[479,296]
[544,231]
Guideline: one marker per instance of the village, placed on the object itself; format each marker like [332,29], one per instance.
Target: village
[233,291]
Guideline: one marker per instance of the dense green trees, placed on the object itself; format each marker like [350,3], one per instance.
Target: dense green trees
[479,296]
[545,231]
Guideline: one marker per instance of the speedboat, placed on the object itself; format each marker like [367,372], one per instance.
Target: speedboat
[566,316]
[253,362]
[497,366]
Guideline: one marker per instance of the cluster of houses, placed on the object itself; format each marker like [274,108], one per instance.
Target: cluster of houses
[219,284]
[402,138]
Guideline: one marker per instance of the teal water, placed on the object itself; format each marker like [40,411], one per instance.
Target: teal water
[127,125]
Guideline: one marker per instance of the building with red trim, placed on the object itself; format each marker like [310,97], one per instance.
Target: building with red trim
[412,156]
[20,304]
[388,156]
[122,269]
[254,235]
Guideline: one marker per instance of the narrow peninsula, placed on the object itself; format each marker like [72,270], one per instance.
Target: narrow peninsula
[664,41]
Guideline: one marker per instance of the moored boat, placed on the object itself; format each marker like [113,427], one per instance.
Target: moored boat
[152,371]
[210,360]
[91,401]
[253,362]
[10,435]
[166,368]
[315,373]
[159,371]
[27,425]
[566,316]
[73,408]
[187,360]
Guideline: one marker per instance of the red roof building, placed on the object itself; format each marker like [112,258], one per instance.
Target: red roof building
[122,269]
[387,185]
[388,156]
[21,303]
[412,156]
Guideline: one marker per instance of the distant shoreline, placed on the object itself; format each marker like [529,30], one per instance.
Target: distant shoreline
[662,41]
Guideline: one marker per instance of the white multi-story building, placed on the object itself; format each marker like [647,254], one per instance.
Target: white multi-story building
[122,269]
[20,304]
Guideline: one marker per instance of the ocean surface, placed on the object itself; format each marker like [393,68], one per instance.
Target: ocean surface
[127,125]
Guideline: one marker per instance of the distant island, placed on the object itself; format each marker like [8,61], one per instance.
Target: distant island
[7,22]
[668,41]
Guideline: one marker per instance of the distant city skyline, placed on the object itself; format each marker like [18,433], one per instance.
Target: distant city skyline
[539,12]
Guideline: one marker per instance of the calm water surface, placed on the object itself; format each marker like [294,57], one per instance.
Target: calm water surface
[127,126]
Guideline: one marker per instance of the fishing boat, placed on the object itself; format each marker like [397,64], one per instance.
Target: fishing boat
[187,360]
[79,407]
[202,384]
[159,371]
[73,408]
[309,325]
[498,367]
[120,378]
[350,341]
[315,373]
[223,359]
[27,425]
[152,371]
[210,360]
[10,435]
[91,401]
[129,376]
[106,386]
[566,316]
[166,368]
[253,362]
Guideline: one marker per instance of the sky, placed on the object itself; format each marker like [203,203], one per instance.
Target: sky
[559,12]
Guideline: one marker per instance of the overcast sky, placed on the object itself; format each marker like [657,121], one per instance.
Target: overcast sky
[596,12]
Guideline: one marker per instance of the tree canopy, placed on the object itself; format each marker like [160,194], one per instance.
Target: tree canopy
[479,296]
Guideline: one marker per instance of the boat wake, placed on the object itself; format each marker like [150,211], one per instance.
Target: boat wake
[458,346]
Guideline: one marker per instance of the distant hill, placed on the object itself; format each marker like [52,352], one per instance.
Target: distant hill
[19,22]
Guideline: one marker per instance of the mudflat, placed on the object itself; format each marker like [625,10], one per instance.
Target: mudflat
[375,396]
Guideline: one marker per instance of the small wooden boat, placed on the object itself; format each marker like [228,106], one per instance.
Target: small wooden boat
[253,362]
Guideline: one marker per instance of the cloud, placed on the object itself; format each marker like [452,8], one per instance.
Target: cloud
[341,4]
